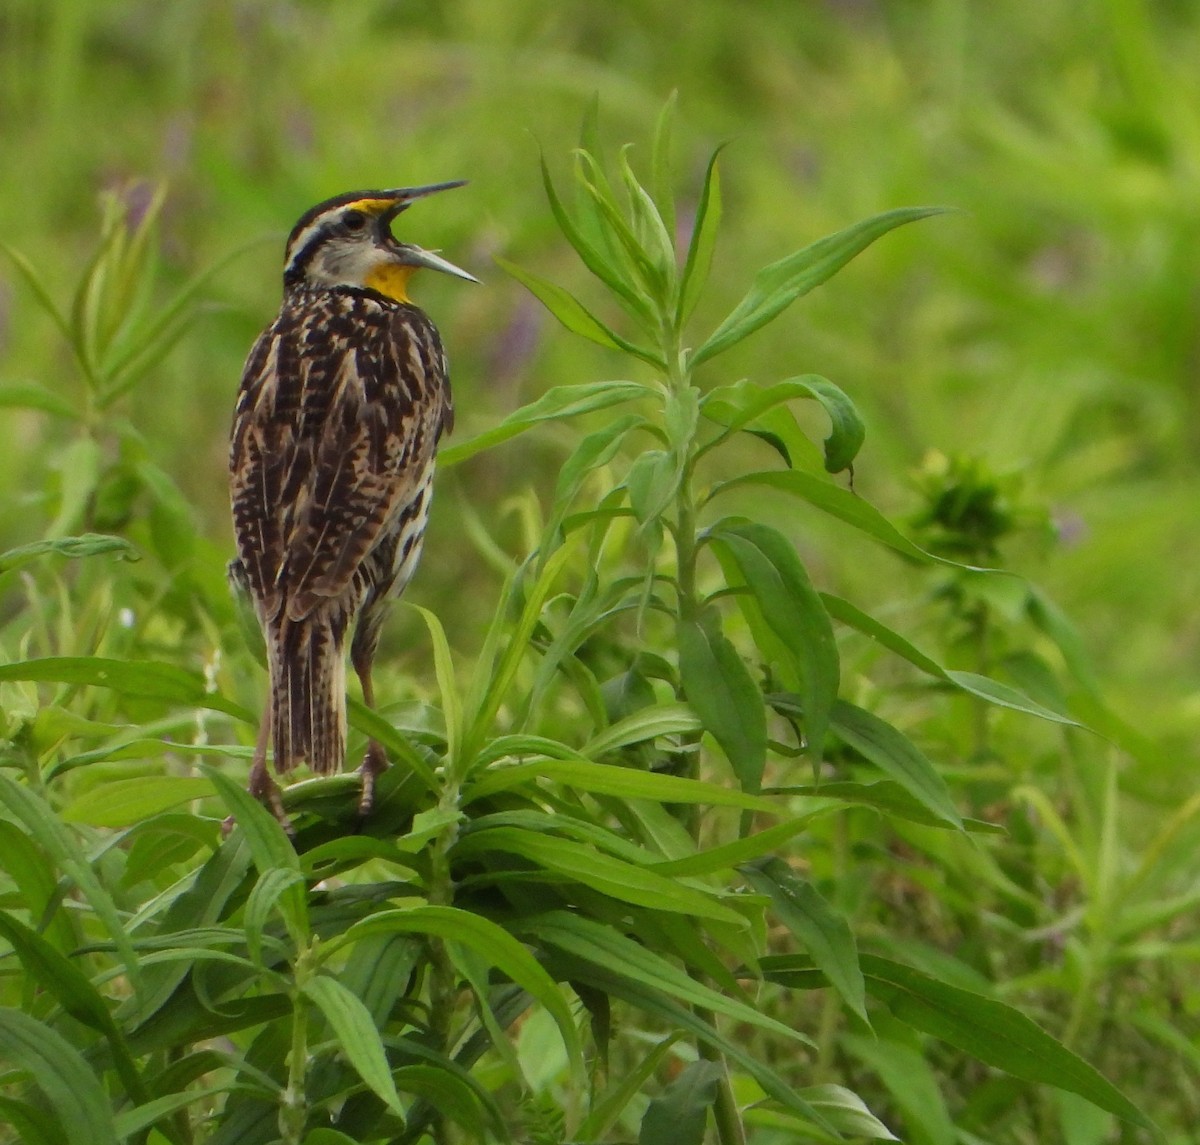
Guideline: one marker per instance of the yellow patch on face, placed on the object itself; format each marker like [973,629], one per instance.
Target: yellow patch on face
[391,280]
[370,206]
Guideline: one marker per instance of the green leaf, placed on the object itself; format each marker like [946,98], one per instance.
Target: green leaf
[646,724]
[33,1125]
[574,315]
[910,1079]
[356,1035]
[555,404]
[793,613]
[270,848]
[777,286]
[591,257]
[502,951]
[846,506]
[825,934]
[119,802]
[328,1137]
[846,1112]
[884,795]
[33,395]
[727,856]
[443,663]
[272,886]
[611,981]
[56,1067]
[613,1102]
[594,450]
[744,405]
[679,1114]
[71,988]
[603,946]
[624,782]
[142,1117]
[896,755]
[660,162]
[992,1031]
[85,545]
[702,242]
[652,481]
[994,692]
[79,464]
[31,811]
[143,679]
[579,862]
[721,691]
[447,1092]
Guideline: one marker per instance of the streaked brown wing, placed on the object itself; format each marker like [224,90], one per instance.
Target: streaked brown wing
[262,449]
[333,456]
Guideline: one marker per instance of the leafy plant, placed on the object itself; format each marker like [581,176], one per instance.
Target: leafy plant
[589,902]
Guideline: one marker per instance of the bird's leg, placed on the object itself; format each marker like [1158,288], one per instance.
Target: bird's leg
[261,784]
[375,762]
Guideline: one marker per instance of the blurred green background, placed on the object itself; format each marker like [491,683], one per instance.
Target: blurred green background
[1049,329]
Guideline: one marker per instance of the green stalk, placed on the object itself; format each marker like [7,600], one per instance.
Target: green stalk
[441,978]
[726,1115]
[293,1102]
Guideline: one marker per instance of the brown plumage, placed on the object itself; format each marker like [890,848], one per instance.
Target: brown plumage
[343,400]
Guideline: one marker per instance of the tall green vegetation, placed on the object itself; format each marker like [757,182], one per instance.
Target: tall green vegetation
[680,851]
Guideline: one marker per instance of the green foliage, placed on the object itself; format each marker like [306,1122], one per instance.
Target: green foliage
[575,830]
[701,759]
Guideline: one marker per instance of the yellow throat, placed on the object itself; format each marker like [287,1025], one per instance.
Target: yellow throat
[391,280]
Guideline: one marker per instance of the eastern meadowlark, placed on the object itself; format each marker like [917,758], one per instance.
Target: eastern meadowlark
[342,402]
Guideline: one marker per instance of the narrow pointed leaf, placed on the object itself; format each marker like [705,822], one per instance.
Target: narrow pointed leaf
[605,946]
[141,678]
[120,802]
[992,1031]
[583,863]
[85,545]
[660,162]
[591,257]
[825,934]
[703,241]
[42,825]
[777,286]
[555,404]
[793,612]
[574,315]
[679,1114]
[270,847]
[613,982]
[897,756]
[70,1084]
[33,395]
[356,1034]
[503,951]
[846,506]
[993,691]
[721,691]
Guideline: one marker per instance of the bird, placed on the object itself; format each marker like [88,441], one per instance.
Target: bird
[343,400]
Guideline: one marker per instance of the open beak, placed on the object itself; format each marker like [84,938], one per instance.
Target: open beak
[414,255]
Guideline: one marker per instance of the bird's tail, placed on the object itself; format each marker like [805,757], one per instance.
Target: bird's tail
[308,693]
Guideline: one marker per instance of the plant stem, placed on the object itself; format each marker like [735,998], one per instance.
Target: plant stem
[725,1110]
[441,978]
[293,1108]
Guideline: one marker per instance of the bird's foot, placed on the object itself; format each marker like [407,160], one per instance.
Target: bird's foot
[267,792]
[374,764]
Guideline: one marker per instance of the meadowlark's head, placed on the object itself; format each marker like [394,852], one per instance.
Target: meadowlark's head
[348,241]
